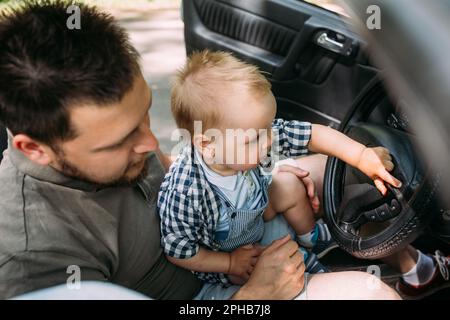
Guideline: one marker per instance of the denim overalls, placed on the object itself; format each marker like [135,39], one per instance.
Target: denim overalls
[246,226]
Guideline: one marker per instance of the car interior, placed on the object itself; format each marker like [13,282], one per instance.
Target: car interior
[321,71]
[3,141]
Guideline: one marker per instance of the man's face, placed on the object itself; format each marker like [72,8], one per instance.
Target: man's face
[113,141]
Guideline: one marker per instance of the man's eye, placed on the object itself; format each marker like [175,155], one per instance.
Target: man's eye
[116,146]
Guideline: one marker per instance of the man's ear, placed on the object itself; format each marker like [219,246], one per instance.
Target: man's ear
[32,149]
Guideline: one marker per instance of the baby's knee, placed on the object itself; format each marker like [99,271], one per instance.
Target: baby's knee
[288,183]
[287,190]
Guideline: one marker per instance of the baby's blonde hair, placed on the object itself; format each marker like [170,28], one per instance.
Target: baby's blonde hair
[201,85]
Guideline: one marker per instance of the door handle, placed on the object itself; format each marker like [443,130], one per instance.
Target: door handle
[346,48]
[326,42]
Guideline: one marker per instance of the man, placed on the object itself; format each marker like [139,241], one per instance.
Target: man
[81,174]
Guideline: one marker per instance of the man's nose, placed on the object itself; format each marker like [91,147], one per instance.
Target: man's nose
[147,142]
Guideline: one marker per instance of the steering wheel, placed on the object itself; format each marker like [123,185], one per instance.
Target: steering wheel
[362,221]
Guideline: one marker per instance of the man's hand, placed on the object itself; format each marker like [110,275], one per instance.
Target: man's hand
[278,273]
[237,280]
[292,167]
[242,263]
[376,164]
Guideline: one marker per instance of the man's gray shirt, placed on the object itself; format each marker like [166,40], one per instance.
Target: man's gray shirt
[49,222]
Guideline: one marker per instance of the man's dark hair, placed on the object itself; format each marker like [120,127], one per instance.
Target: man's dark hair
[45,67]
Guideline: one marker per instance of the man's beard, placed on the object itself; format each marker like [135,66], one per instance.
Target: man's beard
[70,170]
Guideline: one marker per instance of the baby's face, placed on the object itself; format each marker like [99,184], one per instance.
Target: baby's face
[246,130]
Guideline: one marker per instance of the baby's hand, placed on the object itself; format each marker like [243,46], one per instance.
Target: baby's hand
[243,260]
[375,163]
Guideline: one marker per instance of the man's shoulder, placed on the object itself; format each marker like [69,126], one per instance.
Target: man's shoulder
[12,226]
[9,174]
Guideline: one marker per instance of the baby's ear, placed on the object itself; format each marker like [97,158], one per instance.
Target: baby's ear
[205,147]
[201,142]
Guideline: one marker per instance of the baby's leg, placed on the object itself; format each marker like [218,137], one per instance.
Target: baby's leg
[287,195]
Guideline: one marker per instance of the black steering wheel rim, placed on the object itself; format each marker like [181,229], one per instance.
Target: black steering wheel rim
[417,194]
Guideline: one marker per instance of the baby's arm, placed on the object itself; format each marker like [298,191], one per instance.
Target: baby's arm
[181,222]
[331,142]
[205,261]
[290,138]
[295,138]
[374,162]
[239,263]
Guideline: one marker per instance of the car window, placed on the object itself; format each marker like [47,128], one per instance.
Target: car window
[331,5]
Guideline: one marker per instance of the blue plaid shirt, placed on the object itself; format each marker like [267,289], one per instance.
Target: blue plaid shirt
[188,206]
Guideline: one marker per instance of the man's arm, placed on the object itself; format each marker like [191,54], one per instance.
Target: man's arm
[29,271]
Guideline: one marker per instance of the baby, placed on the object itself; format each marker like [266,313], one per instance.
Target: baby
[216,197]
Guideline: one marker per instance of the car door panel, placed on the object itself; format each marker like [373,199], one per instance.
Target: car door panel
[310,81]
